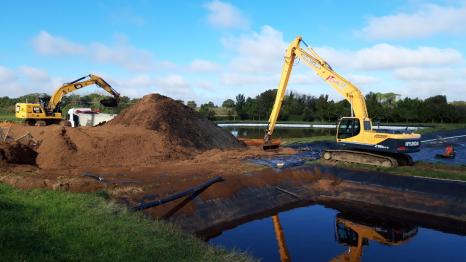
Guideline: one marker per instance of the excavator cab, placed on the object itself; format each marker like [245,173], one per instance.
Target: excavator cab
[348,127]
[345,235]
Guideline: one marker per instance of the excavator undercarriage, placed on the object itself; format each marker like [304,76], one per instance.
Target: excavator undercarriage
[367,158]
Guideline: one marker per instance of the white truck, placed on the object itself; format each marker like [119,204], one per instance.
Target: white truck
[87,117]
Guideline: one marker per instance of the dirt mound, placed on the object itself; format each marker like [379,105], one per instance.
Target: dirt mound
[15,153]
[154,130]
[175,122]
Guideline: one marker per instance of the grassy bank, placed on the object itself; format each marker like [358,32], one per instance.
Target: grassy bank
[52,225]
[442,127]
[8,117]
[421,169]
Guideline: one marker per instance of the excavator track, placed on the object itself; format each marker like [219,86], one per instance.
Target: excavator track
[360,157]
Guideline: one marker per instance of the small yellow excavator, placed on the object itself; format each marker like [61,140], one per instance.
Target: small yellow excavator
[355,233]
[50,112]
[358,142]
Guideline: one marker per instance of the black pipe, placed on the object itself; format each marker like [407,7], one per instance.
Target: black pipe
[178,195]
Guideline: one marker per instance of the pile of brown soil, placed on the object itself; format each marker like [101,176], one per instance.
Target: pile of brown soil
[176,122]
[15,153]
[153,130]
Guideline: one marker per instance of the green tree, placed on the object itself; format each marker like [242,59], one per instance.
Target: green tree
[192,104]
[229,103]
[436,109]
[207,110]
[264,103]
[240,106]
[374,108]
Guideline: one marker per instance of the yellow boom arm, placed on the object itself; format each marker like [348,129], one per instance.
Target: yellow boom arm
[325,71]
[78,84]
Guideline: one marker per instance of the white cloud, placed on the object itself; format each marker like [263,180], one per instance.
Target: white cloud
[47,44]
[175,83]
[225,15]
[205,85]
[6,75]
[429,20]
[165,65]
[258,52]
[202,66]
[121,54]
[362,79]
[232,79]
[385,56]
[35,74]
[16,82]
[453,89]
[308,78]
[420,74]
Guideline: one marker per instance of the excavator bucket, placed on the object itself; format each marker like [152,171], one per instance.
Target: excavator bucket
[271,145]
[274,144]
[109,102]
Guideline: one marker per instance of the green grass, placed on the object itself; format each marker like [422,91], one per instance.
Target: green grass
[442,127]
[8,117]
[43,225]
[432,170]
[424,172]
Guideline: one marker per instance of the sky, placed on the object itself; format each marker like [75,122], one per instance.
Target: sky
[214,50]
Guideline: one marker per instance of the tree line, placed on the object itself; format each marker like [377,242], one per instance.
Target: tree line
[382,107]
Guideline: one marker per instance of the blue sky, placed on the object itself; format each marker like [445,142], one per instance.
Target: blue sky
[213,50]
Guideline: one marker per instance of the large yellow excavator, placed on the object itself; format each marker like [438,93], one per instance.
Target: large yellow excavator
[355,233]
[50,112]
[357,140]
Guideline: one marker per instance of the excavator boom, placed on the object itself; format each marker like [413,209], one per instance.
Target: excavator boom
[78,84]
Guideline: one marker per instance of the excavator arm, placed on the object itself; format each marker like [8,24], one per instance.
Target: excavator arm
[344,87]
[80,83]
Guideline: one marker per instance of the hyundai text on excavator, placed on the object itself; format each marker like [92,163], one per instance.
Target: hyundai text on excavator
[50,112]
[358,142]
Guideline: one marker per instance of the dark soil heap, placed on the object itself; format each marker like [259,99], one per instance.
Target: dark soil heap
[177,123]
[15,153]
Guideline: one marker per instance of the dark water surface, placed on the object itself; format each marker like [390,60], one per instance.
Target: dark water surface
[280,132]
[310,234]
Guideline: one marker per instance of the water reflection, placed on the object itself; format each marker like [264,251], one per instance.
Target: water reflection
[354,232]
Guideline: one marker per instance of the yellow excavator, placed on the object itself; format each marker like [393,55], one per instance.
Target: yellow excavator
[50,112]
[355,233]
[358,142]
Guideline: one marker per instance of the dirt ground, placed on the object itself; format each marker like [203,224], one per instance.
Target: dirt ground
[153,149]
